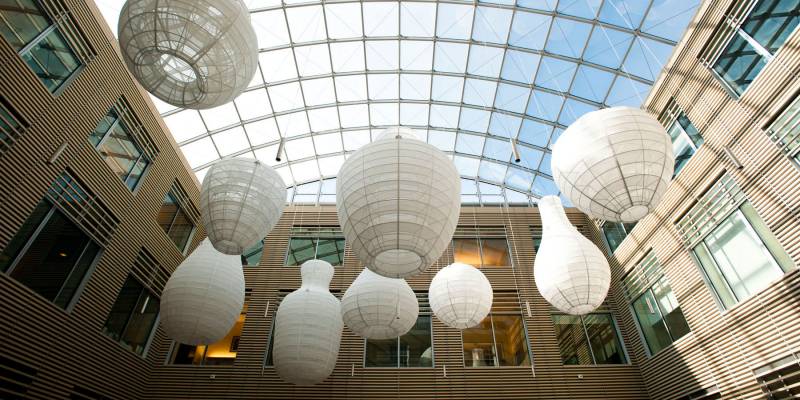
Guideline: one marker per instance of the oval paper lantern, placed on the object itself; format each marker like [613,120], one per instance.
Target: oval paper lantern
[460,296]
[241,201]
[614,164]
[571,273]
[398,200]
[189,53]
[376,307]
[204,296]
[308,328]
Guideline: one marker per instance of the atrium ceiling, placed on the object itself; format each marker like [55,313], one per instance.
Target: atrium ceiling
[469,76]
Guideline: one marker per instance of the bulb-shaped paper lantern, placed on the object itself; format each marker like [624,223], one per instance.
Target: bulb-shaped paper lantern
[398,200]
[308,328]
[614,164]
[204,296]
[571,273]
[189,53]
[460,296]
[241,201]
[377,307]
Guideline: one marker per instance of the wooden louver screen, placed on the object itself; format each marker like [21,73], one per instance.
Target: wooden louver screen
[16,378]
[709,393]
[780,379]
[721,199]
[83,206]
[183,200]
[136,128]
[785,131]
[12,125]
[506,301]
[320,231]
[642,276]
[733,18]
[670,113]
[149,272]
[480,231]
[72,33]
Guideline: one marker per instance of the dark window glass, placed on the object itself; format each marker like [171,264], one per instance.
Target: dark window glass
[411,350]
[603,339]
[252,256]
[222,352]
[616,232]
[381,353]
[685,141]
[133,316]
[57,258]
[660,316]
[589,339]
[499,340]
[572,340]
[302,249]
[116,145]
[772,21]
[174,221]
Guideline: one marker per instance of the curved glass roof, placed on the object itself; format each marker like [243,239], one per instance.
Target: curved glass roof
[470,76]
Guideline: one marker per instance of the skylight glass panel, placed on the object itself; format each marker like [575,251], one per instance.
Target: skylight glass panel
[270,28]
[646,58]
[267,154]
[230,141]
[384,114]
[417,19]
[305,171]
[263,131]
[544,186]
[200,152]
[512,98]
[624,13]
[252,104]
[520,66]
[320,91]
[497,149]
[468,186]
[258,4]
[443,116]
[627,92]
[473,119]
[467,166]
[328,143]
[544,166]
[490,189]
[285,174]
[544,105]
[351,88]
[293,124]
[568,37]
[354,116]
[454,21]
[163,107]
[413,114]
[491,24]
[382,54]
[347,57]
[380,19]
[547,5]
[556,134]
[306,24]
[257,80]
[450,57]
[323,119]
[492,171]
[519,179]
[607,46]
[529,30]
[185,125]
[535,133]
[504,125]
[668,18]
[447,88]
[353,140]
[287,96]
[469,144]
[443,140]
[582,8]
[416,54]
[529,157]
[220,117]
[298,149]
[574,109]
[313,60]
[415,86]
[308,188]
[330,166]
[479,92]
[555,74]
[485,61]
[281,65]
[592,83]
[383,86]
[343,20]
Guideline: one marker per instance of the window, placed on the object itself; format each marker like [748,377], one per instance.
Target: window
[740,257]
[115,143]
[51,255]
[756,41]
[11,124]
[785,131]
[481,252]
[615,233]
[685,141]
[40,43]
[309,243]
[222,352]
[252,256]
[655,307]
[499,340]
[133,316]
[175,222]
[412,350]
[589,339]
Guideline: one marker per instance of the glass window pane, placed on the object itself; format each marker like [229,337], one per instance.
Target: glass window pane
[670,309]
[381,353]
[123,307]
[614,233]
[252,256]
[331,250]
[301,250]
[415,346]
[76,277]
[52,60]
[167,213]
[23,235]
[651,322]
[739,64]
[511,340]
[22,21]
[466,250]
[181,230]
[188,354]
[572,340]
[767,237]
[224,351]
[495,252]
[682,147]
[479,345]
[772,21]
[141,324]
[714,275]
[606,346]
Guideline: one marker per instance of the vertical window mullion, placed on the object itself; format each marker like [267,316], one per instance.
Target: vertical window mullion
[494,343]
[24,249]
[588,340]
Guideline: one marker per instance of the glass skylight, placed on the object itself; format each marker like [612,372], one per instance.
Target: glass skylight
[469,77]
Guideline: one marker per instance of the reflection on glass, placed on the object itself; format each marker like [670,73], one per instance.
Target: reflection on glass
[495,252]
[175,222]
[772,21]
[302,249]
[411,350]
[572,340]
[467,251]
[479,345]
[116,145]
[589,339]
[685,141]
[499,340]
[603,339]
[481,252]
[252,256]
[222,352]
[616,232]
[133,316]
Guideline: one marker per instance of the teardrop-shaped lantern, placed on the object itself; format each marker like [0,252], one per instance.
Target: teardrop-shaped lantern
[189,53]
[614,164]
[398,200]
[377,307]
[204,296]
[241,201]
[571,273]
[460,296]
[308,328]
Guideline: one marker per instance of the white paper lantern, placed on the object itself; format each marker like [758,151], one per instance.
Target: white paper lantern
[308,328]
[204,296]
[376,307]
[241,201]
[398,200]
[571,273]
[614,164]
[189,53]
[460,296]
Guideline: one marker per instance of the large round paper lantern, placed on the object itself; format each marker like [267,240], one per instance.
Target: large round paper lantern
[571,273]
[241,201]
[189,53]
[204,296]
[460,296]
[398,200]
[377,307]
[614,164]
[308,328]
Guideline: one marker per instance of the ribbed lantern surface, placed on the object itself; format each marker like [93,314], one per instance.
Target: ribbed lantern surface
[614,164]
[308,328]
[398,200]
[204,296]
[241,201]
[189,53]
[571,273]
[376,307]
[460,296]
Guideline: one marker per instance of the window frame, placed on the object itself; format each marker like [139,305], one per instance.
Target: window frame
[648,351]
[479,240]
[397,345]
[605,237]
[676,122]
[172,222]
[617,332]
[494,344]
[153,329]
[316,238]
[118,122]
